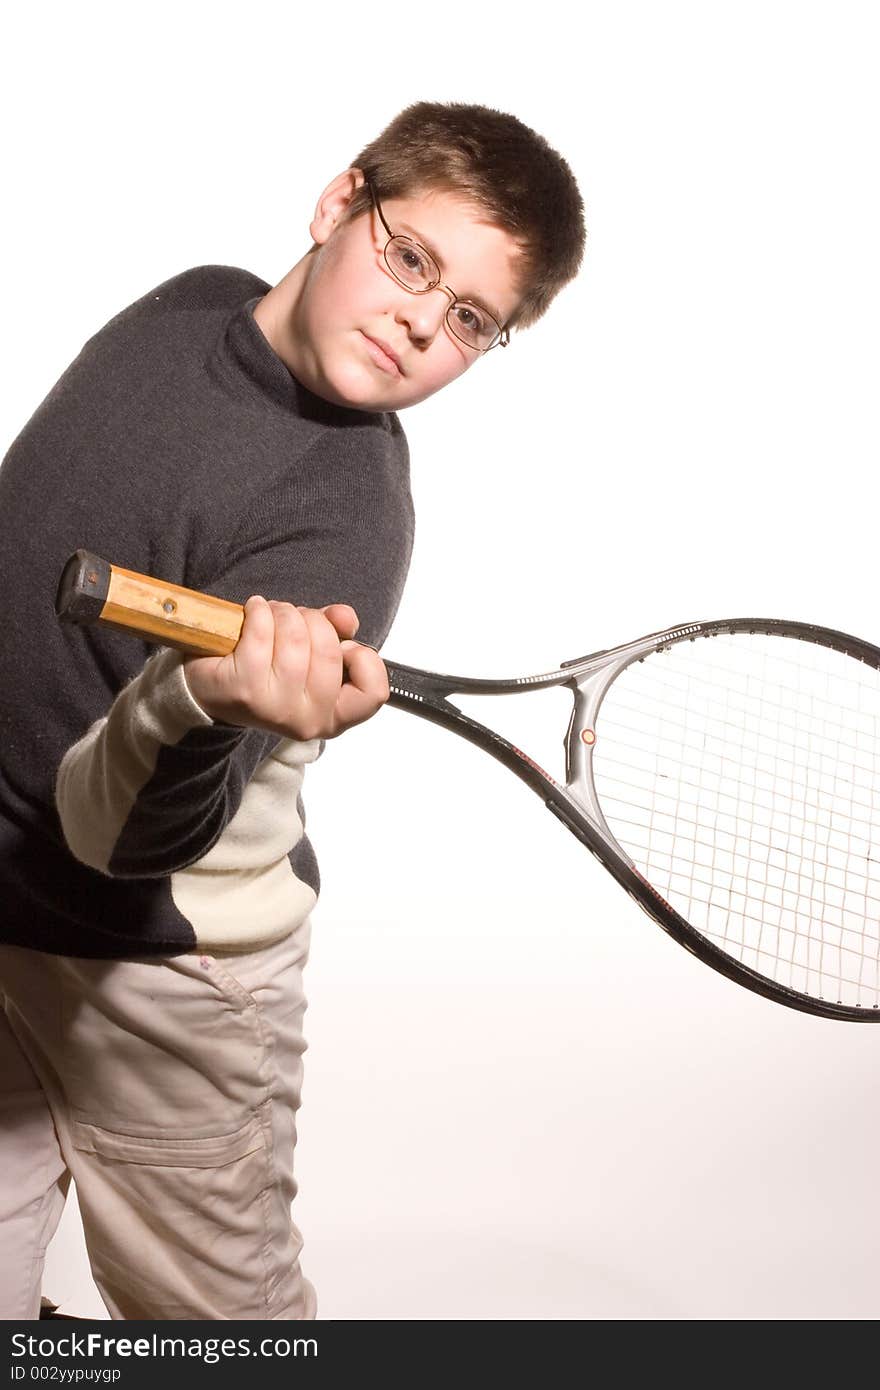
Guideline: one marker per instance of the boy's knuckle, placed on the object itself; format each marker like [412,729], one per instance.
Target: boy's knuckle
[309,726]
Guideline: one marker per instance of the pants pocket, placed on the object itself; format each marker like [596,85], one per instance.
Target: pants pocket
[212,1151]
[179,1228]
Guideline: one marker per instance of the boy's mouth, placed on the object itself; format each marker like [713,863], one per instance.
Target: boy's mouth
[382,355]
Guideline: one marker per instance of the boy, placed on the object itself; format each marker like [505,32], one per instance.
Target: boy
[157,880]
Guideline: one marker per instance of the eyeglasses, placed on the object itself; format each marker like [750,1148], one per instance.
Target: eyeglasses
[415,268]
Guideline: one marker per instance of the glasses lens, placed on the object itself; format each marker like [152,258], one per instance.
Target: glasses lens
[473,325]
[410,264]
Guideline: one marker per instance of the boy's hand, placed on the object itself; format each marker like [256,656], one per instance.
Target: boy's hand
[286,674]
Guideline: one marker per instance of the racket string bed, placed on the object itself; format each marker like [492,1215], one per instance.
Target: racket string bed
[740,774]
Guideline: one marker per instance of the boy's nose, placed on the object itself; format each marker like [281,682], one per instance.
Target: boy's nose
[424,314]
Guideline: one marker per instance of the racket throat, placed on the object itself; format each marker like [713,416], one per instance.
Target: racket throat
[581,739]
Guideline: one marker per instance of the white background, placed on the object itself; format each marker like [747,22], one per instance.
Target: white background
[521,1099]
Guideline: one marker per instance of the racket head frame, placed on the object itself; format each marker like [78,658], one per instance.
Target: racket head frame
[576,803]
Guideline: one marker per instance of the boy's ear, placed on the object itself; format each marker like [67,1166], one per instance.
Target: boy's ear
[333,203]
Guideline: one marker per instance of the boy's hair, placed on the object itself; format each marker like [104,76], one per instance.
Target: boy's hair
[498,164]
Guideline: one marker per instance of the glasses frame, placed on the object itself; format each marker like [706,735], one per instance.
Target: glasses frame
[503,338]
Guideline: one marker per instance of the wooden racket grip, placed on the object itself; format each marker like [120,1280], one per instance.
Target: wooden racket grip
[94,591]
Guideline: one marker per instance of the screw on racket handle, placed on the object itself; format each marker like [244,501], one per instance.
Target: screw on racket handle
[93,591]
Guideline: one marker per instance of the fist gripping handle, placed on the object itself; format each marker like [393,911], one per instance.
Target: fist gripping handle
[93,591]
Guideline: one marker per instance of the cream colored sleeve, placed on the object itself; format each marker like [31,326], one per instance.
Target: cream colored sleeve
[150,787]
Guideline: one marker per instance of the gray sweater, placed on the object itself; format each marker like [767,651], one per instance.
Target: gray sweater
[176,444]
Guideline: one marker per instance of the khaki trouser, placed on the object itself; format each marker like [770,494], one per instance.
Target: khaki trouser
[167,1089]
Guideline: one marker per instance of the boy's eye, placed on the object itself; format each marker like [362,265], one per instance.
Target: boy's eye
[407,261]
[470,318]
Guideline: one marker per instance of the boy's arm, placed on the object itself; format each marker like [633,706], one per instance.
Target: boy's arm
[158,753]
[152,786]
[162,776]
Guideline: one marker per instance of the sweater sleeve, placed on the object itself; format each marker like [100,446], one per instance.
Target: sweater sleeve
[347,532]
[150,788]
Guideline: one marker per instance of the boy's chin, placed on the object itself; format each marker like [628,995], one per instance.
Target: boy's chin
[359,390]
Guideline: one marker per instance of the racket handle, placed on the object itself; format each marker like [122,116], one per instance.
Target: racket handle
[93,591]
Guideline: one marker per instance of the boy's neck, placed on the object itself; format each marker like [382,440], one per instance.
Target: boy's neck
[274,313]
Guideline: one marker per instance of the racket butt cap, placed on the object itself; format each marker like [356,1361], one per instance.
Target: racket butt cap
[83,588]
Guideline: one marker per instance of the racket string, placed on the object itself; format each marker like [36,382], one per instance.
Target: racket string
[742,781]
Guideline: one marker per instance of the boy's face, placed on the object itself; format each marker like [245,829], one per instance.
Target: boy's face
[352,334]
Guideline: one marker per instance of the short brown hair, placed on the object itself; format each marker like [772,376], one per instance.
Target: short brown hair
[497,163]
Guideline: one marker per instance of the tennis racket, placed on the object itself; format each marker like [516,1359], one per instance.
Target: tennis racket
[726,774]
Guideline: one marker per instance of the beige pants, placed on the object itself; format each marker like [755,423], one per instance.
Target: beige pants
[168,1090]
